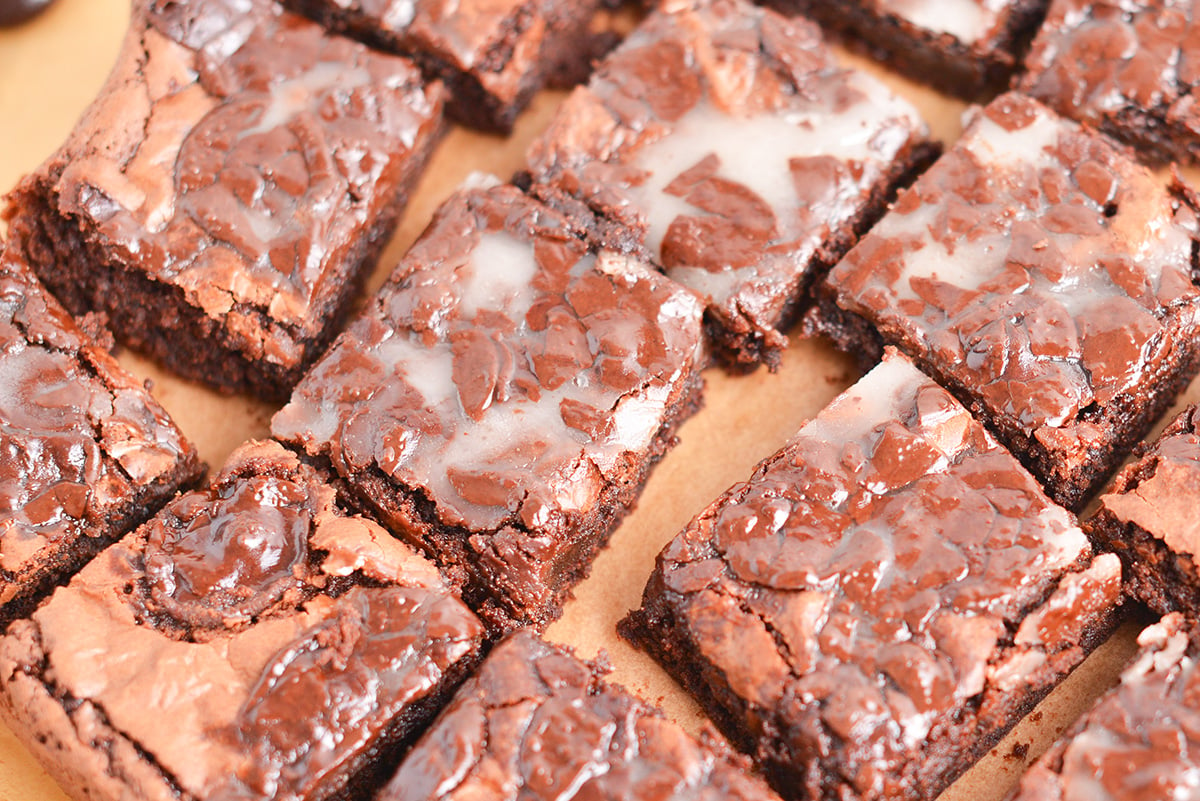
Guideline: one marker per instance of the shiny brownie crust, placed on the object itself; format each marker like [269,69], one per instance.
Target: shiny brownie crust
[86,454]
[1044,277]
[501,401]
[657,143]
[534,722]
[252,641]
[1130,69]
[492,56]
[881,601]
[223,197]
[972,70]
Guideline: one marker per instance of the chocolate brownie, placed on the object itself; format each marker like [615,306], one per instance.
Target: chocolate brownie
[1148,518]
[881,601]
[536,723]
[1141,742]
[224,194]
[502,399]
[968,48]
[1130,68]
[493,55]
[741,157]
[85,453]
[249,642]
[1046,279]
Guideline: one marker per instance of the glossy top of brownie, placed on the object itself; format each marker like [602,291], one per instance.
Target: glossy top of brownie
[1098,58]
[238,151]
[535,723]
[867,585]
[265,638]
[78,436]
[509,370]
[1141,741]
[1159,493]
[735,145]
[1035,263]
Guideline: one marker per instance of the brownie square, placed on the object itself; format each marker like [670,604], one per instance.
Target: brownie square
[501,401]
[967,48]
[223,196]
[1148,518]
[1046,279]
[86,454]
[739,155]
[535,722]
[1129,68]
[493,55]
[252,641]
[1141,740]
[881,601]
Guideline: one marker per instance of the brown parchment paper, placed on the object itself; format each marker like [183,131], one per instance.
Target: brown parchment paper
[51,68]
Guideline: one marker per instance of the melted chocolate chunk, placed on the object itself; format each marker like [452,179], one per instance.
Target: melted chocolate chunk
[14,12]
[658,141]
[534,723]
[881,600]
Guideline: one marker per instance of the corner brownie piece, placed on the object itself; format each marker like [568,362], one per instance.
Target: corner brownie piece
[535,722]
[881,601]
[86,454]
[740,156]
[222,197]
[1148,518]
[501,401]
[493,55]
[1141,742]
[968,48]
[1046,279]
[250,642]
[1130,68]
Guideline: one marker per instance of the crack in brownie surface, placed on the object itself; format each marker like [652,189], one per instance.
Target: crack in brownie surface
[881,601]
[285,647]
[1047,279]
[242,161]
[742,157]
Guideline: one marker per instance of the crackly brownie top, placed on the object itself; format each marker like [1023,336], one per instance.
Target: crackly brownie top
[508,371]
[1096,59]
[535,723]
[274,636]
[1159,493]
[872,579]
[78,436]
[1034,264]
[1141,742]
[659,138]
[239,152]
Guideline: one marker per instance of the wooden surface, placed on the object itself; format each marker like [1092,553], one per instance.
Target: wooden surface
[51,68]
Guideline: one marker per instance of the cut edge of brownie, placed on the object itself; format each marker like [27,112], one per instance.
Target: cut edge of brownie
[654,629]
[409,514]
[164,325]
[971,72]
[567,43]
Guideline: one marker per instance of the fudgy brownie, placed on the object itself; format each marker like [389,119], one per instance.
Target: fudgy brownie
[536,723]
[1130,68]
[493,55]
[881,601]
[220,200]
[1148,518]
[1044,277]
[501,401]
[85,453]
[968,48]
[249,642]
[740,156]
[1141,742]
